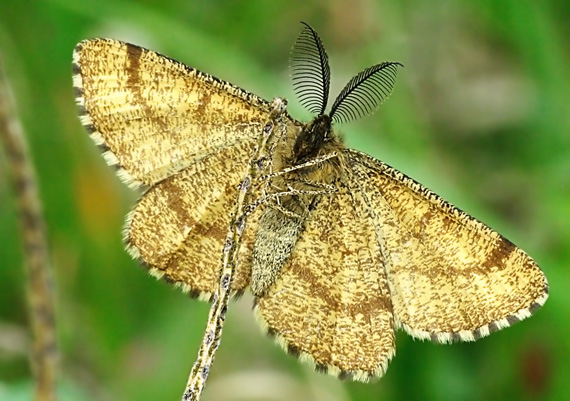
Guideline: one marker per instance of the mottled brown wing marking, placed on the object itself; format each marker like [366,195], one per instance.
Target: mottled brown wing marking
[154,116]
[450,276]
[135,70]
[179,226]
[330,305]
[184,134]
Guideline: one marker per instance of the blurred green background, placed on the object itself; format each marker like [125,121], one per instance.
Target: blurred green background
[480,114]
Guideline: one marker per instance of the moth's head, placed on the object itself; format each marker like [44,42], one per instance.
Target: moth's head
[312,138]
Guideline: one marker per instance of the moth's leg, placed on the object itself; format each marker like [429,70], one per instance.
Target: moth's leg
[293,191]
[274,200]
[276,192]
[269,201]
[310,163]
[284,210]
[329,188]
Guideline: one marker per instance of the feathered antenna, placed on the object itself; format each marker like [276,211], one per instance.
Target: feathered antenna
[364,93]
[310,71]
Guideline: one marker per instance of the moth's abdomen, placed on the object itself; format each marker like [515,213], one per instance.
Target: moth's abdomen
[276,236]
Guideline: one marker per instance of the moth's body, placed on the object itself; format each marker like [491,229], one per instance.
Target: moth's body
[342,249]
[283,220]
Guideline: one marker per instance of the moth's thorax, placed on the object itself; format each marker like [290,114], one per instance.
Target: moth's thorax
[305,142]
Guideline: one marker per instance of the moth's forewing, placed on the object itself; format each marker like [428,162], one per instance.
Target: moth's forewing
[154,116]
[450,276]
[382,252]
[182,134]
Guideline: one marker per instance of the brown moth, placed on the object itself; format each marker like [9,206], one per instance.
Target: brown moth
[342,249]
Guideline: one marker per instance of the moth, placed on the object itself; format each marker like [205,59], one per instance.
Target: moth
[342,249]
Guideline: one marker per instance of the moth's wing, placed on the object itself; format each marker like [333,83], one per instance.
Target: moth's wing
[451,277]
[153,116]
[179,226]
[330,305]
[181,133]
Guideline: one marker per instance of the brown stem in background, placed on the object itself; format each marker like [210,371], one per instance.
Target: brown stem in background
[213,333]
[44,353]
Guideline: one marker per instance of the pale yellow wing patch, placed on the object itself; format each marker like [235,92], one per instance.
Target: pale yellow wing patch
[330,305]
[179,226]
[153,116]
[450,276]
